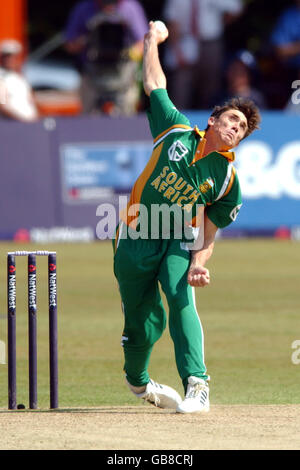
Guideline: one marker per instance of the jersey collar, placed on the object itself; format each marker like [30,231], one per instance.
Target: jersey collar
[201,145]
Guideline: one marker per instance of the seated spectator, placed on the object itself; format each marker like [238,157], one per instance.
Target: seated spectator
[16,96]
[107,38]
[239,76]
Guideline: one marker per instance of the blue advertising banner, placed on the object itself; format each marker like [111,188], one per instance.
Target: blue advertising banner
[268,164]
[100,171]
[59,171]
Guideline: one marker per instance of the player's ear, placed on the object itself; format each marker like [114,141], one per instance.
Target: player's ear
[211,121]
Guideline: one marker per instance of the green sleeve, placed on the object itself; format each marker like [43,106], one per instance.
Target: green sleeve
[162,113]
[224,211]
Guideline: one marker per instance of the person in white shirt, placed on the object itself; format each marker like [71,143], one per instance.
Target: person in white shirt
[194,55]
[16,96]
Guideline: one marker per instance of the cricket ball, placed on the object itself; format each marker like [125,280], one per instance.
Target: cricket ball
[160,26]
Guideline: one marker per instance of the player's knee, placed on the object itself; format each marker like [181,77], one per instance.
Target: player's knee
[142,338]
[177,302]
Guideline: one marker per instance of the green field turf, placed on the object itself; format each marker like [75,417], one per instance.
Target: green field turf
[250,315]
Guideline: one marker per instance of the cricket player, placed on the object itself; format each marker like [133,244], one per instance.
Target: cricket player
[192,173]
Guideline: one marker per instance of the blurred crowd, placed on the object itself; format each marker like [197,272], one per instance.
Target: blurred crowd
[105,40]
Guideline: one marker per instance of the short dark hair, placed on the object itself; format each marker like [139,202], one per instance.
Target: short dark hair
[245,106]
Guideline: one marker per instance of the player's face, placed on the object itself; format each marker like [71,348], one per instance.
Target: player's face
[229,128]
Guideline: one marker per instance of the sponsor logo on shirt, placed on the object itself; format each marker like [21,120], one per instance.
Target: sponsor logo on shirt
[177,151]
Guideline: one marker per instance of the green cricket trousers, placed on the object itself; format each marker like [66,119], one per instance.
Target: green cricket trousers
[139,266]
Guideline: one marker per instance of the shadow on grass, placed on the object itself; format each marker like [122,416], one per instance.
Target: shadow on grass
[111,410]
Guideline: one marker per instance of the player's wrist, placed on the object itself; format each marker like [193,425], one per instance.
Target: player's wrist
[198,258]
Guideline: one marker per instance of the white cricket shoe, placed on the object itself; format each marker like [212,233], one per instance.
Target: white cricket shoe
[159,395]
[196,398]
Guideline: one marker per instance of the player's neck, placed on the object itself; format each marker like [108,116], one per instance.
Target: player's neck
[213,144]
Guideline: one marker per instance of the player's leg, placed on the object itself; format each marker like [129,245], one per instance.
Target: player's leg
[184,322]
[144,322]
[135,265]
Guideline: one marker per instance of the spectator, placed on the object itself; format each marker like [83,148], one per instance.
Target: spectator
[239,76]
[194,57]
[16,96]
[285,38]
[107,38]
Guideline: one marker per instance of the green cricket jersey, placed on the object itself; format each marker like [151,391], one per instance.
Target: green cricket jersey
[180,178]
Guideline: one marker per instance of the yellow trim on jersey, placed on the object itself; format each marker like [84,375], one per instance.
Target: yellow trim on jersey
[199,150]
[176,126]
[229,155]
[138,188]
[197,131]
[230,182]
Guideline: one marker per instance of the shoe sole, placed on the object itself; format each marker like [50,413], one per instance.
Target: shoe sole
[204,410]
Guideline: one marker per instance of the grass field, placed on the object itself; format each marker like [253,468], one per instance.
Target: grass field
[250,315]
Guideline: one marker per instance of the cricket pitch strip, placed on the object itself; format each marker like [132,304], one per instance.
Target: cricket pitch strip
[225,427]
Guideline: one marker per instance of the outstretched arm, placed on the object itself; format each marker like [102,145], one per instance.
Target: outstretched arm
[198,275]
[153,75]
